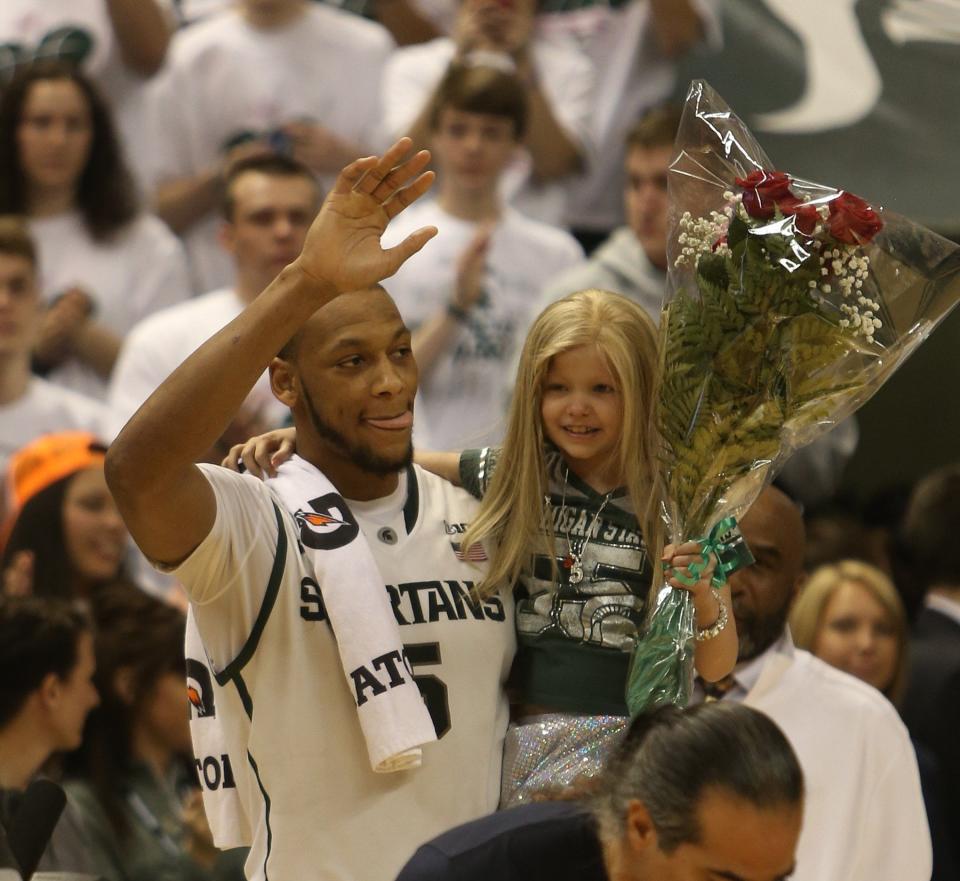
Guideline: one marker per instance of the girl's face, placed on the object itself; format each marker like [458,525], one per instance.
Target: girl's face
[582,414]
[54,134]
[95,536]
[857,635]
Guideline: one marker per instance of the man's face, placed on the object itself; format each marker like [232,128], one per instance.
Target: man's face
[738,842]
[645,199]
[271,215]
[764,591]
[75,696]
[358,379]
[473,149]
[19,305]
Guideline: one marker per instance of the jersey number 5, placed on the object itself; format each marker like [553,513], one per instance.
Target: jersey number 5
[433,688]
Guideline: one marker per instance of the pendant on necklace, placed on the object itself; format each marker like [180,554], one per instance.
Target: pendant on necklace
[576,572]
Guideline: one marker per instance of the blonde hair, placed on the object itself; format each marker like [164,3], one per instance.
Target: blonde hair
[806,617]
[511,513]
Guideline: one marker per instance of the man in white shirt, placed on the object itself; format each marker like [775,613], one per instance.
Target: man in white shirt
[558,81]
[864,818]
[268,204]
[30,406]
[288,76]
[310,801]
[633,260]
[634,46]
[469,294]
[931,704]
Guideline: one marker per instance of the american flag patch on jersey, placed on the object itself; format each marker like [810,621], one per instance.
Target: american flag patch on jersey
[476,554]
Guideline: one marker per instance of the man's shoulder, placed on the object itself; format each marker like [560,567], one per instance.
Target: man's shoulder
[72,409]
[199,316]
[544,236]
[443,494]
[348,31]
[544,838]
[147,231]
[836,694]
[208,34]
[424,57]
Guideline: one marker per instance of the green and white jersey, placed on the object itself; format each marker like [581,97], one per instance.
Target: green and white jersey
[288,726]
[576,638]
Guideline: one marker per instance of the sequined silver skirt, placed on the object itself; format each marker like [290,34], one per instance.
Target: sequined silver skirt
[544,754]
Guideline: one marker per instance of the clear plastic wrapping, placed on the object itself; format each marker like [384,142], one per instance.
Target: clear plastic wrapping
[788,305]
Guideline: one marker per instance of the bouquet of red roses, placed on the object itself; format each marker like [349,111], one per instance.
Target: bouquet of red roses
[788,305]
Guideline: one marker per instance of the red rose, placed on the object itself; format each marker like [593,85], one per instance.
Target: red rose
[804,214]
[852,221]
[762,190]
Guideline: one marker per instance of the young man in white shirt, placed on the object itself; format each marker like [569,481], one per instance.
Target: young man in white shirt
[311,803]
[30,406]
[468,296]
[288,76]
[557,80]
[268,204]
[864,817]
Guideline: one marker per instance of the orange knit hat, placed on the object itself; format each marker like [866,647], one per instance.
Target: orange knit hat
[43,462]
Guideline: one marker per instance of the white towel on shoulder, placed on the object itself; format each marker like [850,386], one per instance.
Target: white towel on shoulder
[393,716]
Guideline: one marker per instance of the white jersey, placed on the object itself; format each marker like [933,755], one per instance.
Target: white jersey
[289,742]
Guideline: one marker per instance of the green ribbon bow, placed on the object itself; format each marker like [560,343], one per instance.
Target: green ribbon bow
[730,549]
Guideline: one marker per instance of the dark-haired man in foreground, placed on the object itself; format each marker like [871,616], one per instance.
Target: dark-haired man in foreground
[709,792]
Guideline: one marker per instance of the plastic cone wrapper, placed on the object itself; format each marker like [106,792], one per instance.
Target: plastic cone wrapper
[788,304]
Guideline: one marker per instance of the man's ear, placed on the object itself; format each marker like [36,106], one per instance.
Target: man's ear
[284,382]
[641,836]
[225,237]
[50,690]
[123,685]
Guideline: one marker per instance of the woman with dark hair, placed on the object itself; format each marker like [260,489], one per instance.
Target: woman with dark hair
[65,536]
[104,265]
[130,781]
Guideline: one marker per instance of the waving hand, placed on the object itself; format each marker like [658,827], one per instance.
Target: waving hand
[342,249]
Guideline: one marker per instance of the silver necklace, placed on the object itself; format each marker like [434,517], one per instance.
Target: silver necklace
[573,561]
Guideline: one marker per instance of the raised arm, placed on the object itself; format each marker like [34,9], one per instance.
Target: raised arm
[167,504]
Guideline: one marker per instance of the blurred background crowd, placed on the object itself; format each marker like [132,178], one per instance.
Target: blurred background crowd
[160,163]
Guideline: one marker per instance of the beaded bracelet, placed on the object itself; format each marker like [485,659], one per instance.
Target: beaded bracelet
[703,634]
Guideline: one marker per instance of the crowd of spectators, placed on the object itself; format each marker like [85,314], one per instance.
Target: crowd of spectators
[160,164]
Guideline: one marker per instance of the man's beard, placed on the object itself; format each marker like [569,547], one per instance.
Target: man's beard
[361,455]
[756,634]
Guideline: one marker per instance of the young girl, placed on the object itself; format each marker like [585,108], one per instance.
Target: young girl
[567,502]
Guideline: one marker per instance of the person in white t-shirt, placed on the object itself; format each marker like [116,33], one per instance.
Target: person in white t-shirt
[558,81]
[268,204]
[30,406]
[119,44]
[311,804]
[104,265]
[468,296]
[864,817]
[287,76]
[634,47]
